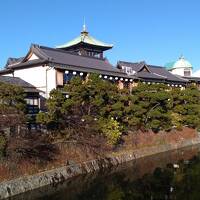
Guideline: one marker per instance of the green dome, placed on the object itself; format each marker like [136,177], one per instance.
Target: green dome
[169,65]
[180,63]
[84,37]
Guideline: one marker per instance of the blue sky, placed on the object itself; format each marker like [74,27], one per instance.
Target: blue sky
[157,31]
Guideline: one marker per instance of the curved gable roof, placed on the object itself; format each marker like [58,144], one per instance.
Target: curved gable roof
[85,38]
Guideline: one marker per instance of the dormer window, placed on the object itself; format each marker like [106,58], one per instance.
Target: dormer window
[128,70]
[187,72]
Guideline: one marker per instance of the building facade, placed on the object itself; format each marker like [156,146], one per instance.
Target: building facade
[48,68]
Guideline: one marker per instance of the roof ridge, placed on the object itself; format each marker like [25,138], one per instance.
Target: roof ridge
[159,75]
[44,55]
[156,66]
[128,62]
[149,65]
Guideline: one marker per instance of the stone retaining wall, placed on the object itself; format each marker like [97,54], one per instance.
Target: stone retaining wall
[56,176]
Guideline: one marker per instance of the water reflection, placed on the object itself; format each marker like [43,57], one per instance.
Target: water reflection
[173,175]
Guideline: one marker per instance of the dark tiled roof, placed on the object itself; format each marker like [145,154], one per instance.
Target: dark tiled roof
[156,72]
[135,66]
[26,64]
[63,57]
[12,61]
[143,74]
[5,71]
[192,78]
[19,82]
[169,76]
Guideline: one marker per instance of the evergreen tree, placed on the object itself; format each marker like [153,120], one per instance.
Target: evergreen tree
[186,106]
[82,105]
[150,108]
[98,106]
[11,97]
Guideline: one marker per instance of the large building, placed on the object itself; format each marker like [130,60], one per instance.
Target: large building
[47,68]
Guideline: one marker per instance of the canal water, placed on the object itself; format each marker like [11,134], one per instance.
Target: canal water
[172,175]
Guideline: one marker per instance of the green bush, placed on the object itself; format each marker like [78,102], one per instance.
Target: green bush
[111,129]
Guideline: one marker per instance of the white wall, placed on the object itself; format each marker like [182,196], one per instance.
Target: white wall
[43,78]
[8,75]
[180,71]
[35,76]
[33,57]
[51,80]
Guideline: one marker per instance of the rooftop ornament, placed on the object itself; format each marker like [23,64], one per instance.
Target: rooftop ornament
[85,38]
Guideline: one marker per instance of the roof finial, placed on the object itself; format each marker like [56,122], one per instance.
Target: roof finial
[181,57]
[84,31]
[84,25]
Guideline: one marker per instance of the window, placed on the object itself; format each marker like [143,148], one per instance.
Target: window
[33,101]
[187,73]
[32,105]
[128,70]
[67,77]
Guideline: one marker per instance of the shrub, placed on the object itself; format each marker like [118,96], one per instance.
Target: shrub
[111,129]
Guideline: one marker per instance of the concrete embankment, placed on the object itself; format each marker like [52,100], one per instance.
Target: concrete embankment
[59,175]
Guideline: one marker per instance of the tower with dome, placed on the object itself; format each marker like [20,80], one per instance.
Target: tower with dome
[181,67]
